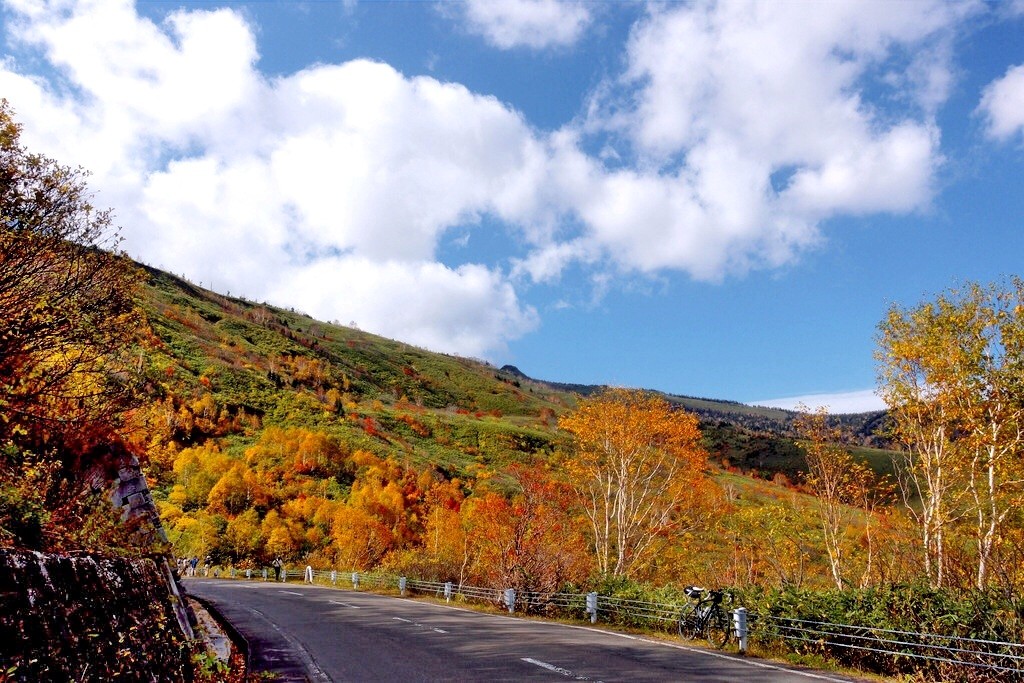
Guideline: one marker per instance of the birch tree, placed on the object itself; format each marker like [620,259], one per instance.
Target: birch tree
[638,470]
[952,372]
[845,489]
[829,474]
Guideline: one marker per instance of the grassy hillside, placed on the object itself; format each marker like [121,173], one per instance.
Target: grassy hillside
[224,368]
[227,367]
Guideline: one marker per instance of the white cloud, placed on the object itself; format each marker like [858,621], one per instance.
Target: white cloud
[863,401]
[750,124]
[336,180]
[428,304]
[1002,103]
[734,131]
[535,24]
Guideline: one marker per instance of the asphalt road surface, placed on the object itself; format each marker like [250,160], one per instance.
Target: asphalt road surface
[313,633]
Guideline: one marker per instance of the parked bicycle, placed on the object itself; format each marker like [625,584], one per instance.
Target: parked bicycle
[704,617]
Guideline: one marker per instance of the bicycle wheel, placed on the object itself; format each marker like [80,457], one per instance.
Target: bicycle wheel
[689,623]
[718,628]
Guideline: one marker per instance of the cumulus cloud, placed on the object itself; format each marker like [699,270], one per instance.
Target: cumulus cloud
[1002,104]
[331,186]
[733,132]
[428,304]
[750,124]
[534,24]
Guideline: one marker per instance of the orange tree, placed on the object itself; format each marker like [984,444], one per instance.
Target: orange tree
[528,541]
[639,473]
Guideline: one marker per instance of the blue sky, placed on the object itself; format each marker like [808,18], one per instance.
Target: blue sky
[711,199]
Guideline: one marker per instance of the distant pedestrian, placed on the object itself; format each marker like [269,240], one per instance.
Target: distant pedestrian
[193,563]
[276,564]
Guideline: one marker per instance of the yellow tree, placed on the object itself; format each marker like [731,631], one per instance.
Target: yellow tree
[771,539]
[361,539]
[952,373]
[243,537]
[638,470]
[446,541]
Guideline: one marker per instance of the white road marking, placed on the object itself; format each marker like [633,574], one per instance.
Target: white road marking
[556,669]
[661,643]
[344,604]
[291,593]
[417,624]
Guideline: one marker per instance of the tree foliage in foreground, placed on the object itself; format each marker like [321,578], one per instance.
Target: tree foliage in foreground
[68,315]
[952,374]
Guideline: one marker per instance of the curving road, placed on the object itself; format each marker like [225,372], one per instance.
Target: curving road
[312,633]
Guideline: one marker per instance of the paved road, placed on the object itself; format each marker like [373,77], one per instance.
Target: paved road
[325,634]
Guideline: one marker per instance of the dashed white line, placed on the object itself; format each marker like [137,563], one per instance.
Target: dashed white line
[291,593]
[556,669]
[344,604]
[419,625]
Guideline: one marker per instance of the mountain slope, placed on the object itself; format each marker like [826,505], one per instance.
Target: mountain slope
[221,366]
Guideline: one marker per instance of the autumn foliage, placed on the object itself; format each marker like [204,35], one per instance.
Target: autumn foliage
[68,318]
[268,434]
[639,474]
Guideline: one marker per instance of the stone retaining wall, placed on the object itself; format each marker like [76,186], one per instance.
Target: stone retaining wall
[86,617]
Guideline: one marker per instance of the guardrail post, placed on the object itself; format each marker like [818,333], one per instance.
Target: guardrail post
[355,580]
[739,621]
[401,586]
[264,574]
[248,573]
[334,576]
[510,599]
[448,591]
[592,607]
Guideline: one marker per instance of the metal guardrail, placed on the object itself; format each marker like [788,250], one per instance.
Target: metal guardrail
[639,609]
[1004,660]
